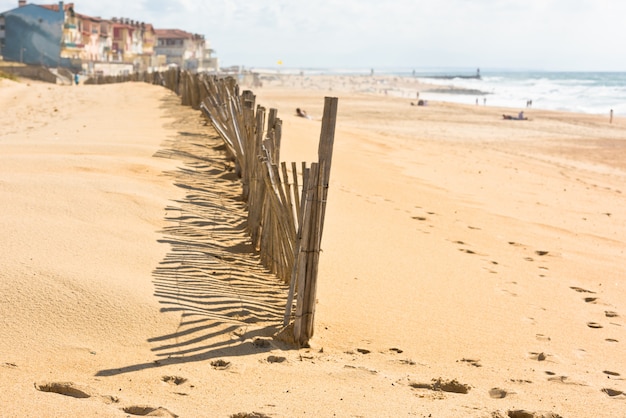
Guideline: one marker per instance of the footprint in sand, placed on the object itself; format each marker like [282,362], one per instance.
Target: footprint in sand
[544,270]
[452,386]
[276,359]
[611,314]
[64,388]
[465,250]
[588,299]
[493,263]
[74,391]
[143,410]
[520,381]
[581,290]
[250,415]
[508,292]
[522,413]
[565,380]
[610,373]
[497,393]
[594,325]
[220,364]
[613,393]
[471,362]
[174,380]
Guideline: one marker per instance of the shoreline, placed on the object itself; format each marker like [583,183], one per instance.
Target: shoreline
[408,85]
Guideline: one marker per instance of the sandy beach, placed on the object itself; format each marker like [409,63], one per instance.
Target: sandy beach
[471,266]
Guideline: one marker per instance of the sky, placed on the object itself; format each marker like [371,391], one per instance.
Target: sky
[564,35]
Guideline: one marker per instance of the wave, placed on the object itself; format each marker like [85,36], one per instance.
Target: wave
[595,93]
[587,92]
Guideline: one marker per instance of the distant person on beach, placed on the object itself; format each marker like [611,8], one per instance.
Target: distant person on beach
[611,116]
[302,113]
[520,116]
[76,78]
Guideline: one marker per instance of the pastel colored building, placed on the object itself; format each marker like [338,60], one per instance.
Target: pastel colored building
[181,48]
[32,34]
[55,35]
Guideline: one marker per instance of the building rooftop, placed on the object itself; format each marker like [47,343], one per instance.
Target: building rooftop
[173,34]
[55,7]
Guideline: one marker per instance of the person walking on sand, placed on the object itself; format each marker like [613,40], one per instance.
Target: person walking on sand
[76,78]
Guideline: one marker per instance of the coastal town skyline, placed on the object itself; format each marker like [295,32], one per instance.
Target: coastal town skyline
[552,35]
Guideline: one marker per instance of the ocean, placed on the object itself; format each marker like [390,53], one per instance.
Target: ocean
[585,92]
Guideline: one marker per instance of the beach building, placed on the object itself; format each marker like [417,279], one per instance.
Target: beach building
[55,35]
[32,34]
[183,49]
[149,40]
[116,46]
[2,33]
[50,35]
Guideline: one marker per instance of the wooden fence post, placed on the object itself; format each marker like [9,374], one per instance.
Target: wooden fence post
[284,223]
[310,237]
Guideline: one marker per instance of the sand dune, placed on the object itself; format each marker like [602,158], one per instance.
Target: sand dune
[471,266]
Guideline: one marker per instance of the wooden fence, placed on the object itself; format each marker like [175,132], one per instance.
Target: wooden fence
[286,203]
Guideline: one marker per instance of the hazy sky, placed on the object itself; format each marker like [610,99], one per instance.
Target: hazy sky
[352,34]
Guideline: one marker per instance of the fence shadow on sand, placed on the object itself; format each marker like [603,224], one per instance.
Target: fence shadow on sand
[211,275]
